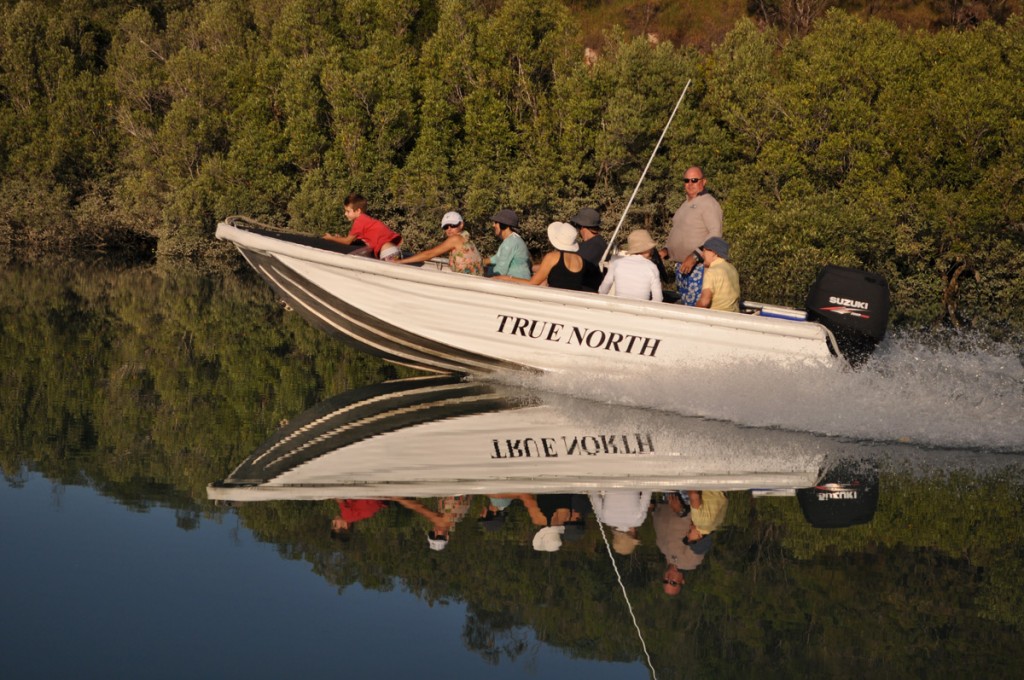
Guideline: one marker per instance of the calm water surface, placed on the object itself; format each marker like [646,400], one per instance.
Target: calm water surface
[125,394]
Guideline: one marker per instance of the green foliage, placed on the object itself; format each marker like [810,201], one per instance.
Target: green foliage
[843,140]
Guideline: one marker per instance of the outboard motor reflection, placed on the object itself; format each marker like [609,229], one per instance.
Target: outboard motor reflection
[846,496]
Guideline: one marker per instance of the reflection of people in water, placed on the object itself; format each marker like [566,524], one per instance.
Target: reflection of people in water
[625,511]
[351,511]
[450,510]
[492,516]
[707,512]
[672,525]
[561,517]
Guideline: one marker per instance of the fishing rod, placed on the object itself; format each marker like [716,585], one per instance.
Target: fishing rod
[611,241]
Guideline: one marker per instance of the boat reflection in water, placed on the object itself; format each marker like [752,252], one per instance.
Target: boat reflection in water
[442,436]
[644,536]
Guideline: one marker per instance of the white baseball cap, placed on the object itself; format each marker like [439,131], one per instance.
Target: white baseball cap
[451,217]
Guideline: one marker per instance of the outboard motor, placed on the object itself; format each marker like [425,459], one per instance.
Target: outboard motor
[847,495]
[854,305]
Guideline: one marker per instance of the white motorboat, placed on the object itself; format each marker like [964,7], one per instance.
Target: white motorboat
[436,320]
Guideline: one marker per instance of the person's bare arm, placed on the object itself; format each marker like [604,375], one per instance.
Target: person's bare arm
[688,263]
[445,246]
[344,240]
[540,275]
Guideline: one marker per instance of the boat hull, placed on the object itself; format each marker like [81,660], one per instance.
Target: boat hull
[446,322]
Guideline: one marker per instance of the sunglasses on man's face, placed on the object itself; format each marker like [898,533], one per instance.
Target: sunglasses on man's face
[670,582]
[692,180]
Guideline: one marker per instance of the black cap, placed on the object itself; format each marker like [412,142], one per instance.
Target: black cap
[587,217]
[507,217]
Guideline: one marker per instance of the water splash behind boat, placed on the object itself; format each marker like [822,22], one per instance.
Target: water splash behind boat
[942,391]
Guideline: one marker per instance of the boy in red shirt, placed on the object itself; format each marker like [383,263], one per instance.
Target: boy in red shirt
[373,233]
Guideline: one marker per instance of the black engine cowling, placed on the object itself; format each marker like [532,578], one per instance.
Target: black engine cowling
[846,496]
[854,305]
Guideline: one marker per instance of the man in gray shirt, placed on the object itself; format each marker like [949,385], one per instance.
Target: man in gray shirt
[697,219]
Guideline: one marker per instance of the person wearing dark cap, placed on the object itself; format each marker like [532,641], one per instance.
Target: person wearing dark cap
[721,289]
[588,222]
[513,257]
[592,246]
[492,516]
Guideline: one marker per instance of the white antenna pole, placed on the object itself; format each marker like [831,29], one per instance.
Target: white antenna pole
[611,241]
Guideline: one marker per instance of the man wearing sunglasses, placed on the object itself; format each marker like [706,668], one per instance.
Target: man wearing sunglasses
[672,525]
[697,219]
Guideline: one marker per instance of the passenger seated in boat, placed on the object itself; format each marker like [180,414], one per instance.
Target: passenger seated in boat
[561,516]
[588,222]
[634,275]
[378,237]
[494,513]
[721,288]
[560,268]
[463,256]
[513,257]
[592,246]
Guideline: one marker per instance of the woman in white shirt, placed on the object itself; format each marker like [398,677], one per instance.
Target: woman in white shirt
[634,275]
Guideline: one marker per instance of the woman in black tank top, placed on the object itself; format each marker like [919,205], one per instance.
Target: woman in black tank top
[562,267]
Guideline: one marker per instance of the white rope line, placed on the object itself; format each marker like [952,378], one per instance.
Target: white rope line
[611,241]
[629,606]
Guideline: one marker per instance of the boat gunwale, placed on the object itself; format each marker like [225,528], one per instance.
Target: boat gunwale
[278,248]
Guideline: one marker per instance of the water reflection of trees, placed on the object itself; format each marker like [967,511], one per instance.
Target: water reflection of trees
[153,374]
[494,634]
[148,384]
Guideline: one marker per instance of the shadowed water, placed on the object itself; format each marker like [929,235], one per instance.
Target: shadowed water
[127,393]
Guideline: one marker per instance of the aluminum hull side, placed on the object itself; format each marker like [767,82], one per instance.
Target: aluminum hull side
[449,322]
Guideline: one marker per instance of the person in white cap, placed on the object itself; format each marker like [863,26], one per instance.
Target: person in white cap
[560,268]
[463,256]
[450,511]
[634,275]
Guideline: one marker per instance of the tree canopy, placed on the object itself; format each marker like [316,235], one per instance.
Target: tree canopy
[852,142]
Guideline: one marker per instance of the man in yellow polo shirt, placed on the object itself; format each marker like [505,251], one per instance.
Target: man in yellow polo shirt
[721,280]
[707,513]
